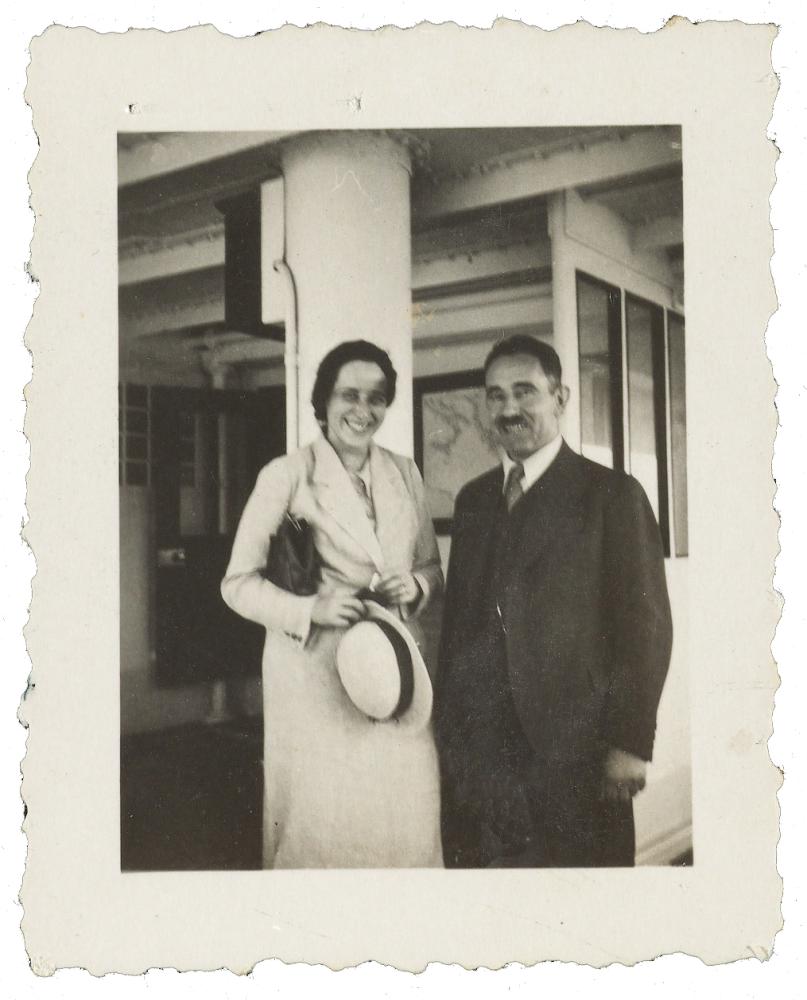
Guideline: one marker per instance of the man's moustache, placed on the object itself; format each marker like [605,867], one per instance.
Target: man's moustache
[503,425]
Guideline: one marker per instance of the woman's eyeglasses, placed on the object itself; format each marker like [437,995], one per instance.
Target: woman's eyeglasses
[352,396]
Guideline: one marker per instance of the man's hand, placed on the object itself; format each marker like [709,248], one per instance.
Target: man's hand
[623,776]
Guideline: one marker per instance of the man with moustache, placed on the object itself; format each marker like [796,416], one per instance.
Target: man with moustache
[556,640]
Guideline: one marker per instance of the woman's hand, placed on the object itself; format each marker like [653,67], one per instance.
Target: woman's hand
[338,610]
[399,588]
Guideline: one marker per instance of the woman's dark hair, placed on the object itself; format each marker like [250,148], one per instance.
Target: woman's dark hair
[522,343]
[336,359]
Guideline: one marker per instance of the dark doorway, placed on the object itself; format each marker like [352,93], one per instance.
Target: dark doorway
[208,446]
[191,794]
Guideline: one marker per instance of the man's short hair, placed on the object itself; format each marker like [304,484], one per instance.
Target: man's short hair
[523,343]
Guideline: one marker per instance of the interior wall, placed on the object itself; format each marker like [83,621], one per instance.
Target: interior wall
[663,811]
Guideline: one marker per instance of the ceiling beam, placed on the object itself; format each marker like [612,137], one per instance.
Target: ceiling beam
[163,153]
[537,175]
[478,264]
[151,260]
[148,260]
[490,283]
[529,304]
[665,231]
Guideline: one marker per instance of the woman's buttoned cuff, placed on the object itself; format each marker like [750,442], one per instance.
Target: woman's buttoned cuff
[300,628]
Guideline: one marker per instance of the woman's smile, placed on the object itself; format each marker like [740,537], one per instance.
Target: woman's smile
[359,426]
[357,406]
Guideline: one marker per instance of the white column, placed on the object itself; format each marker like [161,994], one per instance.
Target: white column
[564,314]
[348,246]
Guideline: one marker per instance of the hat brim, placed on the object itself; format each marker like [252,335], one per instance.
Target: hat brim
[418,714]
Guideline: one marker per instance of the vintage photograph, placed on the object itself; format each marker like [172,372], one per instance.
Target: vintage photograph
[403,499]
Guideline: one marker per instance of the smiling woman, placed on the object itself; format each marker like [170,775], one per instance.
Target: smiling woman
[341,790]
[356,410]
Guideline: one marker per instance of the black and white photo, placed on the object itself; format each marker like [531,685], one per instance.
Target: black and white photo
[401,499]
[471,296]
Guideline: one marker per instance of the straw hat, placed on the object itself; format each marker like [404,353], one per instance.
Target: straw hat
[382,670]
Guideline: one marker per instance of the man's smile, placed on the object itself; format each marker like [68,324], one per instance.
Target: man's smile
[518,424]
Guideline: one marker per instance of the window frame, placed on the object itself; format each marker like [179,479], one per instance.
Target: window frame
[679,543]
[615,384]
[619,298]
[127,461]
[658,366]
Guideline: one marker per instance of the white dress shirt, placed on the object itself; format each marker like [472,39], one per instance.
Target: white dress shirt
[536,464]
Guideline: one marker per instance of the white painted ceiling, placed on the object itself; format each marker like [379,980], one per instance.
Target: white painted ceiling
[169,183]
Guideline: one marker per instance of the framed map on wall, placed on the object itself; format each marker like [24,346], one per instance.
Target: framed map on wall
[453,440]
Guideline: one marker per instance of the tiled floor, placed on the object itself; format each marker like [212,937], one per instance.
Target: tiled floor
[191,798]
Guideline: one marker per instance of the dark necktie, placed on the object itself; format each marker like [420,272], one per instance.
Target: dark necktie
[513,490]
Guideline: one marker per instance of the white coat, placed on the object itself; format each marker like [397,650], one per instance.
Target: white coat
[339,791]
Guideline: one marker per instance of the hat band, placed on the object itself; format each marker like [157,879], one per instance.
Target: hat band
[404,659]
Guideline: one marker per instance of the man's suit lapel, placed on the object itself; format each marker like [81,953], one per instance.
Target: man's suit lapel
[337,495]
[481,524]
[552,506]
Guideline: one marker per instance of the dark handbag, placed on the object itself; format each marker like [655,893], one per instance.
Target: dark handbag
[293,562]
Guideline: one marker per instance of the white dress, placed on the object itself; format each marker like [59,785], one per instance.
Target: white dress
[339,790]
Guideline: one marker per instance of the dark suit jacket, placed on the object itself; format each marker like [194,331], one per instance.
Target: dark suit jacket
[586,616]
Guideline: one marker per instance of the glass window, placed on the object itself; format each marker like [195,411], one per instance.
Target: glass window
[678,431]
[647,404]
[599,334]
[137,421]
[137,447]
[134,454]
